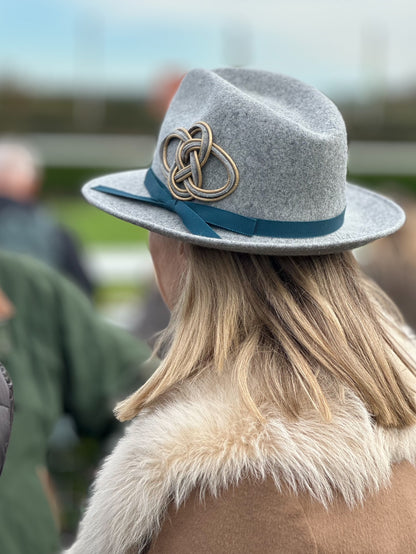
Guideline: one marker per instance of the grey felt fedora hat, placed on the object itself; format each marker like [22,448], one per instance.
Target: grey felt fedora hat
[250,161]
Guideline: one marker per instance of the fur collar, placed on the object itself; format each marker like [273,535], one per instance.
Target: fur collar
[203,436]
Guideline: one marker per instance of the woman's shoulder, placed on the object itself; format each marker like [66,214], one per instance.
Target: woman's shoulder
[255,517]
[202,436]
[251,517]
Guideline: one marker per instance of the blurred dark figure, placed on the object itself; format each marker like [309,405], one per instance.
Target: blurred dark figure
[154,317]
[6,413]
[392,262]
[63,359]
[26,226]
[6,387]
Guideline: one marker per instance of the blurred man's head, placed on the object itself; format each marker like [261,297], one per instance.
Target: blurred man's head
[19,172]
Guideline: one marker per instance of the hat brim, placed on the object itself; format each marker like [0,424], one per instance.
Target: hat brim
[369,216]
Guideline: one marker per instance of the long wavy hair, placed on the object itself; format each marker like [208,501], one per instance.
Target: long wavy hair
[280,325]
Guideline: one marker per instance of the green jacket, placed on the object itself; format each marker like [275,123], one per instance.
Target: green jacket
[62,358]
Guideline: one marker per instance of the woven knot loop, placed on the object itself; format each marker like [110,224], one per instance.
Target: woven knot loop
[193,150]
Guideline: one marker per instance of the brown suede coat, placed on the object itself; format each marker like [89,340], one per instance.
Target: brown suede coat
[256,518]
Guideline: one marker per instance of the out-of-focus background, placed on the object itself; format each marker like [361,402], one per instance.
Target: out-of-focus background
[85,84]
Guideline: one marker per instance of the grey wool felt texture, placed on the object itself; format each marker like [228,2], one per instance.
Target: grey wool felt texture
[289,143]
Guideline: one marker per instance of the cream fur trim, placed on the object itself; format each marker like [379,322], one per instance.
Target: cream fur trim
[202,436]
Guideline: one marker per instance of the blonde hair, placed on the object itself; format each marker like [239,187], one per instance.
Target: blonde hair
[289,321]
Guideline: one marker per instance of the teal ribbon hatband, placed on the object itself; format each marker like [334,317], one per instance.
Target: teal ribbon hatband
[198,218]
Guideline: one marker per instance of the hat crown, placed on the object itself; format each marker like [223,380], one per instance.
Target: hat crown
[287,141]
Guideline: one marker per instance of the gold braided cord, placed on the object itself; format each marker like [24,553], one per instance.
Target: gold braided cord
[195,146]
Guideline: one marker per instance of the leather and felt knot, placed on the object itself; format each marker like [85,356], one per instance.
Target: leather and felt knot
[193,149]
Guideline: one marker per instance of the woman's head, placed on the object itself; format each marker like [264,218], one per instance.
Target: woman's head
[284,323]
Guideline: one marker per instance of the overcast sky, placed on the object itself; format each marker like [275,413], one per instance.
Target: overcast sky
[345,47]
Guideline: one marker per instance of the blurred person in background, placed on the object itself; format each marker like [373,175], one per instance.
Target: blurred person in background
[392,262]
[62,358]
[25,225]
[154,315]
